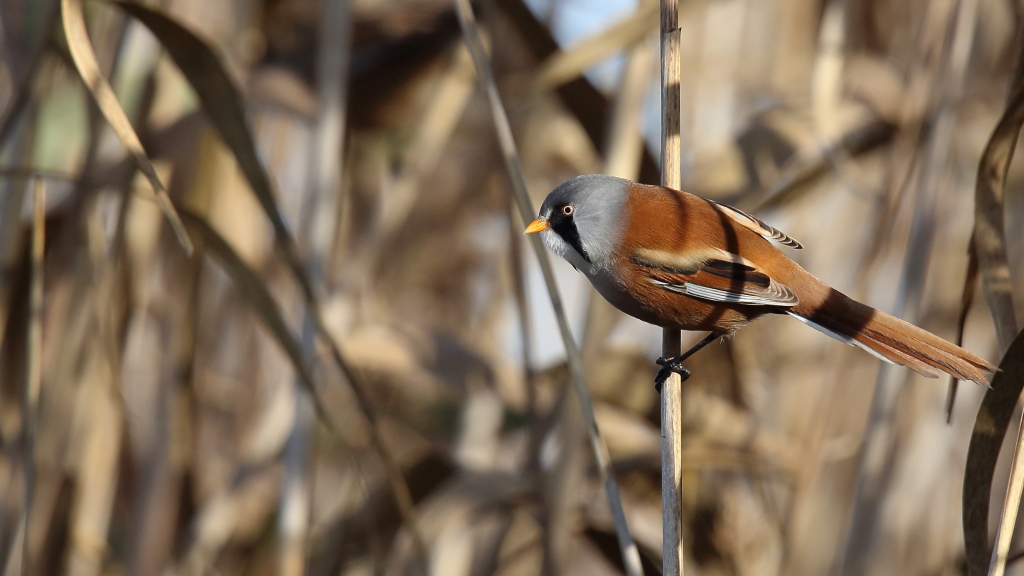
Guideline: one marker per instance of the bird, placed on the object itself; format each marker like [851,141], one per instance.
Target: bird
[683,262]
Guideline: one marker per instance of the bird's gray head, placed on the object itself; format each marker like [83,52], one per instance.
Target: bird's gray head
[582,220]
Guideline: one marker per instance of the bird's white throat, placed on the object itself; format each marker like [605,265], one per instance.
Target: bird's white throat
[556,244]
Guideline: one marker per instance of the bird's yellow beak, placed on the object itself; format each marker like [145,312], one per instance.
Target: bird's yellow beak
[537,225]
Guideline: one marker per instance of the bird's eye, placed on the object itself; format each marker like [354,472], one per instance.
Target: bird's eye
[568,210]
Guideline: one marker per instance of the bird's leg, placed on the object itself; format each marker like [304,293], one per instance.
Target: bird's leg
[675,364]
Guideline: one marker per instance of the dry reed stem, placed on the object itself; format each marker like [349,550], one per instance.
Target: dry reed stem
[96,470]
[567,65]
[270,313]
[959,58]
[673,558]
[827,407]
[293,518]
[315,232]
[561,484]
[625,144]
[991,424]
[11,232]
[222,103]
[966,299]
[421,157]
[521,296]
[1011,506]
[876,461]
[472,36]
[809,166]
[34,364]
[990,241]
[827,98]
[622,153]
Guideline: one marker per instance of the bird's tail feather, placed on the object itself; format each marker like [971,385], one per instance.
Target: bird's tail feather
[894,340]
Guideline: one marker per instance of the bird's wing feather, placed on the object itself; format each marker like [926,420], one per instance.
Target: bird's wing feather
[757,225]
[714,275]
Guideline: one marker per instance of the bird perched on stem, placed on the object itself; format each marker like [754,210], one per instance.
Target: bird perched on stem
[683,262]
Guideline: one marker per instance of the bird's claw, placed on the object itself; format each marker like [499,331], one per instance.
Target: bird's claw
[668,366]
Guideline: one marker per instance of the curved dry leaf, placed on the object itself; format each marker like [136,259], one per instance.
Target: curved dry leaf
[73,17]
[989,240]
[1011,507]
[987,437]
[222,103]
[989,225]
[966,299]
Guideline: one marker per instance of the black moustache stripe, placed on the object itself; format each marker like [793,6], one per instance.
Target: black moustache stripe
[566,228]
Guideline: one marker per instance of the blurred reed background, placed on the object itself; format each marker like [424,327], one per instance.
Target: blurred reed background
[156,409]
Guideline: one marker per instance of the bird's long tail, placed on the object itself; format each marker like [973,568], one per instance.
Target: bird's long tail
[892,339]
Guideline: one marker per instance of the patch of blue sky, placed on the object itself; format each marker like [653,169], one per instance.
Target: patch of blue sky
[574,20]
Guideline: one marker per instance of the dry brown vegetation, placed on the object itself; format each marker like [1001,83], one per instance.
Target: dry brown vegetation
[356,371]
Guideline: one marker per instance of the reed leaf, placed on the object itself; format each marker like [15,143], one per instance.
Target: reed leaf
[73,17]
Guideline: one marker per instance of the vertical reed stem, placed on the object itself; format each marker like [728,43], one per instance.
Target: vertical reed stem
[671,393]
[316,231]
[521,196]
[33,367]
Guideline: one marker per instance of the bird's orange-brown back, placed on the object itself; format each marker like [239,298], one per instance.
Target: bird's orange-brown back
[693,229]
[664,219]
[683,262]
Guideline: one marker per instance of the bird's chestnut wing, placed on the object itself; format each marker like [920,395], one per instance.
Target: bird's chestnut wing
[757,225]
[716,276]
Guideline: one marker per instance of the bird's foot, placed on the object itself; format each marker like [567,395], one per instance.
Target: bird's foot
[668,366]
